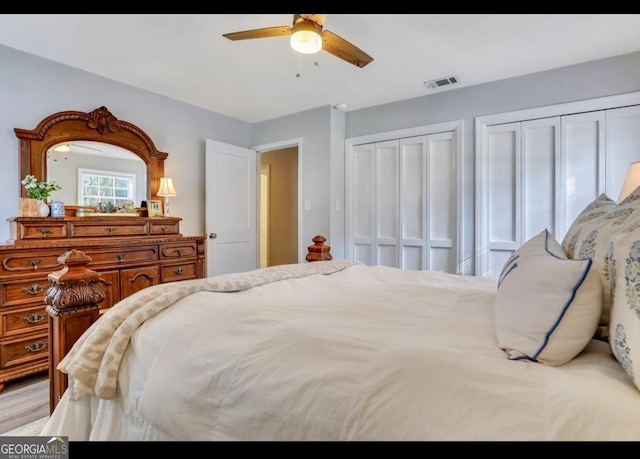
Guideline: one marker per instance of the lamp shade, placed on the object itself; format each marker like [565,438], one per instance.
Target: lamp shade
[166,187]
[631,181]
[305,37]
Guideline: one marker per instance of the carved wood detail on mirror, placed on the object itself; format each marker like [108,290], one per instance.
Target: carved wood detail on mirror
[99,125]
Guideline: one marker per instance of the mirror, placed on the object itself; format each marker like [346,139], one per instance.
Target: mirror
[66,162]
[99,129]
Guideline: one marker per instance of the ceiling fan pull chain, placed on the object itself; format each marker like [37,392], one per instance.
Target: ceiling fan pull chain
[298,74]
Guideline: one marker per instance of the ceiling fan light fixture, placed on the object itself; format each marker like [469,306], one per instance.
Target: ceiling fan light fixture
[306,37]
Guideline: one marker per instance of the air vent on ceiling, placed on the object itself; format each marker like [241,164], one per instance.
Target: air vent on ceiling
[433,84]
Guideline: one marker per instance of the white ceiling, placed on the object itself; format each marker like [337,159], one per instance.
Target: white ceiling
[185,56]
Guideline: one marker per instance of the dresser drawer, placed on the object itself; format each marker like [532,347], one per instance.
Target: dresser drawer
[40,230]
[162,228]
[185,271]
[19,351]
[178,250]
[120,228]
[121,255]
[19,321]
[24,292]
[30,261]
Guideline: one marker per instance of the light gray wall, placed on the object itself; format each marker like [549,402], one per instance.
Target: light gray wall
[606,77]
[314,159]
[32,88]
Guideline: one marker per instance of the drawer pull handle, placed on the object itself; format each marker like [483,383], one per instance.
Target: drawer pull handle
[111,230]
[164,229]
[34,289]
[44,232]
[36,346]
[35,263]
[179,270]
[121,256]
[179,252]
[34,317]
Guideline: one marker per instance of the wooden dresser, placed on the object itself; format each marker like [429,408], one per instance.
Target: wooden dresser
[129,253]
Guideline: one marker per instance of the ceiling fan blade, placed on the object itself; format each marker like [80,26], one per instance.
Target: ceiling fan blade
[259,33]
[341,48]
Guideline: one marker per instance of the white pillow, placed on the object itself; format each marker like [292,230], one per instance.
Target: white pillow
[624,270]
[547,306]
[589,234]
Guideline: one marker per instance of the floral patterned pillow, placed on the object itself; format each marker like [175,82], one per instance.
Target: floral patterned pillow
[589,235]
[624,271]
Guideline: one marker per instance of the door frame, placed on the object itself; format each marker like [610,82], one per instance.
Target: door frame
[264,148]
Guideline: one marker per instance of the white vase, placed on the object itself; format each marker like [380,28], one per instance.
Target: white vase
[43,208]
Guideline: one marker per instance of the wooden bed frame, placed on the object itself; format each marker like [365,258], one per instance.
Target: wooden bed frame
[73,305]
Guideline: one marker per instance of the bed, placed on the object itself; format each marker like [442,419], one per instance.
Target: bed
[338,350]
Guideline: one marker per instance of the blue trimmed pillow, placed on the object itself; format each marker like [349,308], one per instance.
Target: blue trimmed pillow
[547,306]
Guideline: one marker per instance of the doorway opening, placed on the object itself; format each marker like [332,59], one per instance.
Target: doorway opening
[279,238]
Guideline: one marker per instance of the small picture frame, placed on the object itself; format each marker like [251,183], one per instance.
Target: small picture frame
[154,208]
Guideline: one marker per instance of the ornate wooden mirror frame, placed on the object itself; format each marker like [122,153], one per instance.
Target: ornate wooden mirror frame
[98,125]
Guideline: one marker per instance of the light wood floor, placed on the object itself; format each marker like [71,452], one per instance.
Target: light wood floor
[23,401]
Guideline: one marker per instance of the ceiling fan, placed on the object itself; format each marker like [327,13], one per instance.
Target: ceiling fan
[65,148]
[307,37]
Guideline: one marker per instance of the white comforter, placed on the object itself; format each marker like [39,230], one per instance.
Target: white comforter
[365,353]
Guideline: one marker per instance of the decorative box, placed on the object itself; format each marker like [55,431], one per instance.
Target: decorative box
[28,207]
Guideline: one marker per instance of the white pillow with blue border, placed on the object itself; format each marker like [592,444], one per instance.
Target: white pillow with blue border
[547,306]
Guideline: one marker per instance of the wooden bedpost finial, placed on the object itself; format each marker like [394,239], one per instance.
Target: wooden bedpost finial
[319,251]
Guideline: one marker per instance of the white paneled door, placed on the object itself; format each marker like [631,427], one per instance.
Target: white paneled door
[542,173]
[403,199]
[231,214]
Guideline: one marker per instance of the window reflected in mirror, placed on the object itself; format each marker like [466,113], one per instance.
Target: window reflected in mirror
[112,174]
[105,188]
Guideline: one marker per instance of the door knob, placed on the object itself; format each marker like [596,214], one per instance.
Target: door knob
[213,235]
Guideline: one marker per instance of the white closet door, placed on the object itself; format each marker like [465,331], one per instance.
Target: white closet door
[362,179]
[498,189]
[376,214]
[441,199]
[413,205]
[623,146]
[540,147]
[386,197]
[405,210]
[581,170]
